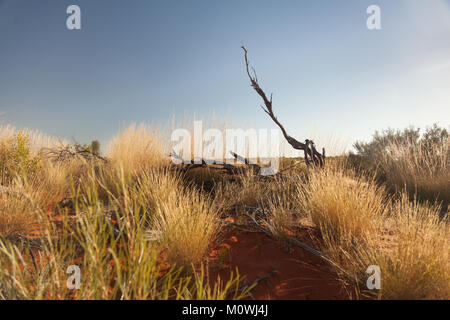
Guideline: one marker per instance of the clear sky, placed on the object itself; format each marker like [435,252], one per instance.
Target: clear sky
[144,61]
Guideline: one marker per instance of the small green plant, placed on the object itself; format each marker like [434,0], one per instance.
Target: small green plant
[16,158]
[223,257]
[95,147]
[241,220]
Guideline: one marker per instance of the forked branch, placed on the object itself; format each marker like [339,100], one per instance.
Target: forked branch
[308,147]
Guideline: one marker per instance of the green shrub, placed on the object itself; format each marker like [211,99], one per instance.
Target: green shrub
[95,147]
[407,160]
[16,158]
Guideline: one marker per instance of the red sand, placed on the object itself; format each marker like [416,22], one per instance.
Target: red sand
[299,274]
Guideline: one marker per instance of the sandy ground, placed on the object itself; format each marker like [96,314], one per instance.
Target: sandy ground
[293,275]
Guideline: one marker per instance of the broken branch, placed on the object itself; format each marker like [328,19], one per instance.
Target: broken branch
[308,147]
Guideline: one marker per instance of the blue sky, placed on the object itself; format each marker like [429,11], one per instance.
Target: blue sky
[145,61]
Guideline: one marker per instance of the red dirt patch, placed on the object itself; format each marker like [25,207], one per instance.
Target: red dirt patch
[297,275]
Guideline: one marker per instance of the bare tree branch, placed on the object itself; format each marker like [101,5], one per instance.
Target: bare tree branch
[308,147]
[268,105]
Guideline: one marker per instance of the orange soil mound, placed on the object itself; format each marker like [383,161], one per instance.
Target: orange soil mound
[297,275]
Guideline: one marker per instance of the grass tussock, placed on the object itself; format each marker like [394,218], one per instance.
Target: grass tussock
[347,205]
[181,215]
[409,161]
[417,266]
[137,148]
[420,170]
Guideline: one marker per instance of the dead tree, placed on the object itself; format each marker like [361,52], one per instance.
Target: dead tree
[66,153]
[255,168]
[312,156]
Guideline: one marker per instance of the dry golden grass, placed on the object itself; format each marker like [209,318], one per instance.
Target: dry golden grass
[423,172]
[187,226]
[145,195]
[179,215]
[22,189]
[418,264]
[194,146]
[361,226]
[346,204]
[139,147]
[16,212]
[38,139]
[359,222]
[281,203]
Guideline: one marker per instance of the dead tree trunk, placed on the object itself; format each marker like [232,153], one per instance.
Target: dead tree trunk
[312,156]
